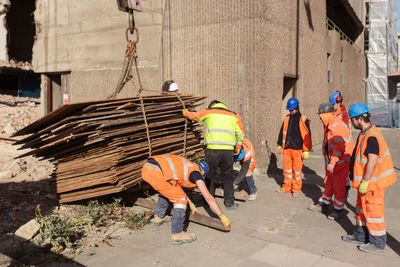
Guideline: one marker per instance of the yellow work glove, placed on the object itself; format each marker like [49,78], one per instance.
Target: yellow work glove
[225,221]
[184,112]
[306,154]
[279,149]
[193,208]
[363,187]
[236,152]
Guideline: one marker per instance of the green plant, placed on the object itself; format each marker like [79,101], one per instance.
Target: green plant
[136,221]
[56,231]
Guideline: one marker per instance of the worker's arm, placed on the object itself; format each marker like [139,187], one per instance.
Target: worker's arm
[239,133]
[280,136]
[208,197]
[371,165]
[339,146]
[372,152]
[242,173]
[308,126]
[197,116]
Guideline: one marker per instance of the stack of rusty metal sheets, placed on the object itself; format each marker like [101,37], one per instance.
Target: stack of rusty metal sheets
[99,147]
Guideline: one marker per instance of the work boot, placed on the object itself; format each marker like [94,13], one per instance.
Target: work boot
[157,221]
[234,206]
[182,237]
[252,197]
[280,190]
[351,239]
[335,214]
[370,248]
[315,207]
[295,194]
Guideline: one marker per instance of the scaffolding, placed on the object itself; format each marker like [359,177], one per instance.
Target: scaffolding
[382,60]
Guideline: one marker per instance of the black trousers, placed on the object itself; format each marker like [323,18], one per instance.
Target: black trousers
[223,160]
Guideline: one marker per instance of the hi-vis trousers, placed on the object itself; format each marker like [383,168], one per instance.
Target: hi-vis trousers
[292,166]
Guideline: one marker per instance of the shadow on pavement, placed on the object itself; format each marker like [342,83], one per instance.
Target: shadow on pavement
[26,253]
[18,201]
[311,181]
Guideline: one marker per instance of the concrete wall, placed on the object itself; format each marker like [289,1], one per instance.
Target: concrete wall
[240,52]
[347,69]
[236,51]
[88,39]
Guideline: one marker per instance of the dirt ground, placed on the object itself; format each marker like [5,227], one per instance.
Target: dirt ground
[26,183]
[23,182]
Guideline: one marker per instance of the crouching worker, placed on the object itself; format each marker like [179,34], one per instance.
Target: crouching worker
[167,174]
[248,164]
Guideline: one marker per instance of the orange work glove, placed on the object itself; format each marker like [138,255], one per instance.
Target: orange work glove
[225,221]
[184,112]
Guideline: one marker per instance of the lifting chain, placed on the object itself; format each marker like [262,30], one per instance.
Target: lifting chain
[130,58]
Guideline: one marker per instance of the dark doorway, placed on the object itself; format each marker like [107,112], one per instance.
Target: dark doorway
[289,90]
[23,84]
[21,29]
[9,84]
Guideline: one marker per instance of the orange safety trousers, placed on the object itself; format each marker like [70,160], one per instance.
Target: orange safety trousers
[168,188]
[292,166]
[335,184]
[370,212]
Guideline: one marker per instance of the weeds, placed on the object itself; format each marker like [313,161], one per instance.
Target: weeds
[59,233]
[136,221]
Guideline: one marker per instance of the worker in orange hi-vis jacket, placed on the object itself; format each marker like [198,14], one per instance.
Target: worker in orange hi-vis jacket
[340,111]
[168,174]
[295,140]
[247,161]
[372,173]
[337,148]
[336,99]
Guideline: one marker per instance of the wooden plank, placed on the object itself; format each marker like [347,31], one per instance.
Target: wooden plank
[197,218]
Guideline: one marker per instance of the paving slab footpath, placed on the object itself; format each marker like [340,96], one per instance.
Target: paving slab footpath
[274,230]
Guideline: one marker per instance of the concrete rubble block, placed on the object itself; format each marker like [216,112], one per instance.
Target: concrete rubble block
[28,230]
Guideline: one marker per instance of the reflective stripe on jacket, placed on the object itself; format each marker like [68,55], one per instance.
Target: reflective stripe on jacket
[305,134]
[384,174]
[340,142]
[343,114]
[224,129]
[177,168]
[249,155]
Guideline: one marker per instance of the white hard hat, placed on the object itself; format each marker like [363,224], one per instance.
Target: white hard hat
[173,87]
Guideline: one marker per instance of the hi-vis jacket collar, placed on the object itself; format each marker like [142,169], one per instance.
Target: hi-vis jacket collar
[219,105]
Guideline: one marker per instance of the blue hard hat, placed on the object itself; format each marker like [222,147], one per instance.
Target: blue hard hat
[292,103]
[204,166]
[357,109]
[239,156]
[335,97]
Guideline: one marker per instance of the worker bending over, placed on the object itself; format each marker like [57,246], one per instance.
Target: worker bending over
[247,161]
[372,173]
[337,148]
[167,174]
[224,138]
[295,140]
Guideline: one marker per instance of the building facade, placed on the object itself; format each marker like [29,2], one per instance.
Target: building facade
[252,55]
